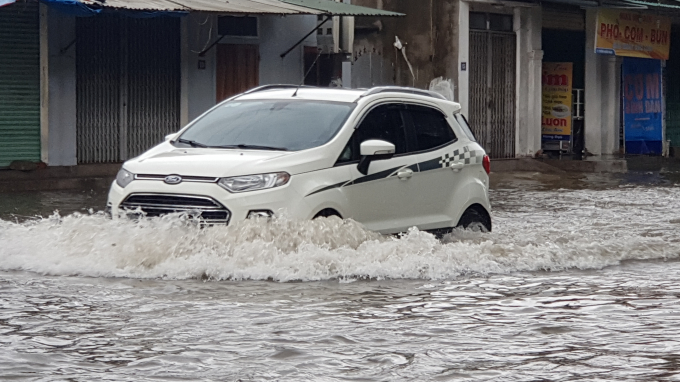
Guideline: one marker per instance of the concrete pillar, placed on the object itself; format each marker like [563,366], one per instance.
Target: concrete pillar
[602,95]
[61,93]
[593,96]
[611,104]
[528,25]
[462,84]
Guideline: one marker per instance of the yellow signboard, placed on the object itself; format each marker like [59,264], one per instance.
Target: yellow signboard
[626,33]
[556,114]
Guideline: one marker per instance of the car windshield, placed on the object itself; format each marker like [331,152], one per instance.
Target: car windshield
[289,125]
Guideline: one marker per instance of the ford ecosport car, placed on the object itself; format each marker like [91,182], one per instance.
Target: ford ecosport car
[390,158]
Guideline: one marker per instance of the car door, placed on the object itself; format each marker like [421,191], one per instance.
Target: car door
[382,199]
[441,159]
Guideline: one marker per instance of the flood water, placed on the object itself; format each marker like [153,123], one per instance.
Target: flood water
[580,280]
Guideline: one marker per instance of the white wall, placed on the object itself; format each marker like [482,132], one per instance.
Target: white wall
[278,34]
[463,81]
[62,89]
[198,92]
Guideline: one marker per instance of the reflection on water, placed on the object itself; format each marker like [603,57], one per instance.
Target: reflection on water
[20,206]
[579,280]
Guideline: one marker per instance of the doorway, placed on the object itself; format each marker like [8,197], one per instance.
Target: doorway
[238,69]
[127,85]
[492,82]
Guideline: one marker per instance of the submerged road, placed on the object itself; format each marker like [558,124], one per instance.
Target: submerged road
[580,280]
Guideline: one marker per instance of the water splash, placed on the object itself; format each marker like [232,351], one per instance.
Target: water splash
[577,230]
[533,231]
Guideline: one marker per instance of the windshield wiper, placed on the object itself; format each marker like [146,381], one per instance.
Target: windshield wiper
[250,147]
[192,143]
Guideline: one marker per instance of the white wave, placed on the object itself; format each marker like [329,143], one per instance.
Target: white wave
[593,235]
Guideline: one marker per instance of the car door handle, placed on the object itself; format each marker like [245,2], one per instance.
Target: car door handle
[404,173]
[456,166]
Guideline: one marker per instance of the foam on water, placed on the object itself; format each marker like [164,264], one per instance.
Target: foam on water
[533,231]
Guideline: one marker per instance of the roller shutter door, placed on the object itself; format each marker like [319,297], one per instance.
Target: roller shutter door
[573,19]
[128,85]
[19,83]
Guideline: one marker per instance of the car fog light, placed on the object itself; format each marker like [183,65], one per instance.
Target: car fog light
[259,214]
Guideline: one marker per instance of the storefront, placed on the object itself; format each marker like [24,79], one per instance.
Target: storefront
[563,78]
[643,40]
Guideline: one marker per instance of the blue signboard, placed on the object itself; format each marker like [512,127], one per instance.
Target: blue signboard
[642,106]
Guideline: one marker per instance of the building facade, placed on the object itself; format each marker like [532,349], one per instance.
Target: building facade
[499,54]
[82,85]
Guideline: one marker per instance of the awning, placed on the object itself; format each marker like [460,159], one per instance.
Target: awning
[238,7]
[329,7]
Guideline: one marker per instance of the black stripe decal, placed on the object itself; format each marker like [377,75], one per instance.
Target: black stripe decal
[432,164]
[329,187]
[376,176]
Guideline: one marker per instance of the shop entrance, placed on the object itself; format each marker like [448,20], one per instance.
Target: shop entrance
[127,85]
[238,69]
[492,82]
[672,90]
[560,45]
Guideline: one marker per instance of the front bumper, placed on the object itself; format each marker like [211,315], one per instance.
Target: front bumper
[212,202]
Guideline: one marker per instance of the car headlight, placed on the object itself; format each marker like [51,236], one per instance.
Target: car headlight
[254,182]
[124,177]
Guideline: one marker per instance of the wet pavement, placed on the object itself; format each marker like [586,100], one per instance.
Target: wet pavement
[580,280]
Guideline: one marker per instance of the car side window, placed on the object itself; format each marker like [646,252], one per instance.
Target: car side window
[431,127]
[383,122]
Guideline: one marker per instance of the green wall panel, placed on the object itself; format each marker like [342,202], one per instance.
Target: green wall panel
[19,83]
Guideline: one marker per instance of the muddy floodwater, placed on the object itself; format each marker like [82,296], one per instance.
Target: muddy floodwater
[580,280]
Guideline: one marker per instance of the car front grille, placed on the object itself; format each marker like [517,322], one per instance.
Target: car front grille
[205,208]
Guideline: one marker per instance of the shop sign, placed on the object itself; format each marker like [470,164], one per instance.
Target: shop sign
[632,34]
[642,105]
[556,110]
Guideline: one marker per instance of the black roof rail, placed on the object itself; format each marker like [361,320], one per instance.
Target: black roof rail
[401,89]
[275,86]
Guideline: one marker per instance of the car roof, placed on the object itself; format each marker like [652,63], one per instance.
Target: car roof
[308,93]
[340,94]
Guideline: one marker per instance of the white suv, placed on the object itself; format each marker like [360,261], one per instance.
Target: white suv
[390,158]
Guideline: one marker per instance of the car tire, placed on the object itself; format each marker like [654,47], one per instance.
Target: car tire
[327,212]
[475,220]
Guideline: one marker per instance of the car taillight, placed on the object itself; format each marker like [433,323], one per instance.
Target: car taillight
[486,162]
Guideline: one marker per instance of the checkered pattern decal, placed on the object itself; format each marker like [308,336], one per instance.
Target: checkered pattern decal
[466,156]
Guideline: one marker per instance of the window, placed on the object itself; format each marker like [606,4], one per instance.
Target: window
[240,26]
[383,122]
[491,21]
[430,127]
[465,126]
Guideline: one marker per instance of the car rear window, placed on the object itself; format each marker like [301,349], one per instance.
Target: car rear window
[462,121]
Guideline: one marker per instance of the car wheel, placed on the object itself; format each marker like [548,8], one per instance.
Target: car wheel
[475,219]
[327,212]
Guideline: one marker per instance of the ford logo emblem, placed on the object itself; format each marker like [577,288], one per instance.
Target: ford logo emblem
[173,179]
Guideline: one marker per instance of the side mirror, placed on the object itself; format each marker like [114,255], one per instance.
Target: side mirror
[170,137]
[374,149]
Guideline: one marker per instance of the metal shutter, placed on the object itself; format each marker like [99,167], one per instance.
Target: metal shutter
[153,82]
[19,83]
[572,18]
[128,85]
